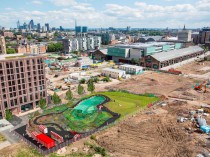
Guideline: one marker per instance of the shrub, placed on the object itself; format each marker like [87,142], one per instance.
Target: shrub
[93,137]
[82,81]
[9,115]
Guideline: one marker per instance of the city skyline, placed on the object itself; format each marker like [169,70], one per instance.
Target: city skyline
[92,13]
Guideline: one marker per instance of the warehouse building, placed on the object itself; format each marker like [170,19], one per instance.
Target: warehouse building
[126,52]
[113,73]
[131,69]
[164,59]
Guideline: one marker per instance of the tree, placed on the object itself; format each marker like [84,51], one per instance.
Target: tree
[91,86]
[53,47]
[11,51]
[29,37]
[69,94]
[80,89]
[134,61]
[106,79]
[42,103]
[56,99]
[82,81]
[8,114]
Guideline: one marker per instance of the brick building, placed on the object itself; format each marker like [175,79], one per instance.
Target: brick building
[164,59]
[32,49]
[22,82]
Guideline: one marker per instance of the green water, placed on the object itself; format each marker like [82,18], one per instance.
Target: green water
[89,105]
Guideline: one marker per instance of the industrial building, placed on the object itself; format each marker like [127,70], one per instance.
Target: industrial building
[185,35]
[113,73]
[22,82]
[126,52]
[164,59]
[131,69]
[202,37]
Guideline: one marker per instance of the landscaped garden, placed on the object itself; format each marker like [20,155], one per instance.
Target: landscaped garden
[87,115]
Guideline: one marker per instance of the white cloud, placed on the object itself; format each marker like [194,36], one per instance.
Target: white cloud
[64,2]
[36,2]
[115,15]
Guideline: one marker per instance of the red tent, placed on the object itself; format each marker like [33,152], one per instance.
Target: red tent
[45,140]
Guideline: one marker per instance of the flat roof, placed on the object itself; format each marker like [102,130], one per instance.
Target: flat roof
[164,56]
[130,66]
[19,55]
[113,70]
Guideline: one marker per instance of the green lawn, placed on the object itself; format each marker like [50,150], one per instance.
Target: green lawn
[126,103]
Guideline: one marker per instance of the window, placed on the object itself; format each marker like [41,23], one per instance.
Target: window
[5,105]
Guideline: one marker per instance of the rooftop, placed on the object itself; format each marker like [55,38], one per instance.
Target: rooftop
[143,45]
[130,66]
[113,70]
[164,56]
[18,55]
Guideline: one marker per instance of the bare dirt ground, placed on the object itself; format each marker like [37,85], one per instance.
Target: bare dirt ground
[153,133]
[163,84]
[195,68]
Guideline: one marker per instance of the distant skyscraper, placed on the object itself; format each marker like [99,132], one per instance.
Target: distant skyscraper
[18,24]
[47,26]
[128,28]
[61,28]
[31,25]
[25,26]
[38,26]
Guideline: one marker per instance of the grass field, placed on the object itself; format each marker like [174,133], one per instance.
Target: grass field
[126,103]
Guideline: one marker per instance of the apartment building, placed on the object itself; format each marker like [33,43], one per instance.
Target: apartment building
[32,49]
[22,82]
[2,45]
[81,43]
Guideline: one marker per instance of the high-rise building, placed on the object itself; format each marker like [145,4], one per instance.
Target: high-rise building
[22,83]
[2,45]
[61,28]
[38,27]
[31,25]
[18,24]
[25,26]
[128,28]
[47,26]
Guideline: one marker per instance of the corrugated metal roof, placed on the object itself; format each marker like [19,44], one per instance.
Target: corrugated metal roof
[164,56]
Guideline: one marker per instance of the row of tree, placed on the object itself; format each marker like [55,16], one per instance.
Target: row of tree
[69,95]
[55,47]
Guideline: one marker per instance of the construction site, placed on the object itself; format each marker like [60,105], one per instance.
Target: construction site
[174,122]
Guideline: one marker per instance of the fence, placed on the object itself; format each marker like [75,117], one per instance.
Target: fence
[59,146]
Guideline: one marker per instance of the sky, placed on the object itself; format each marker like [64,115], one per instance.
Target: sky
[107,13]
